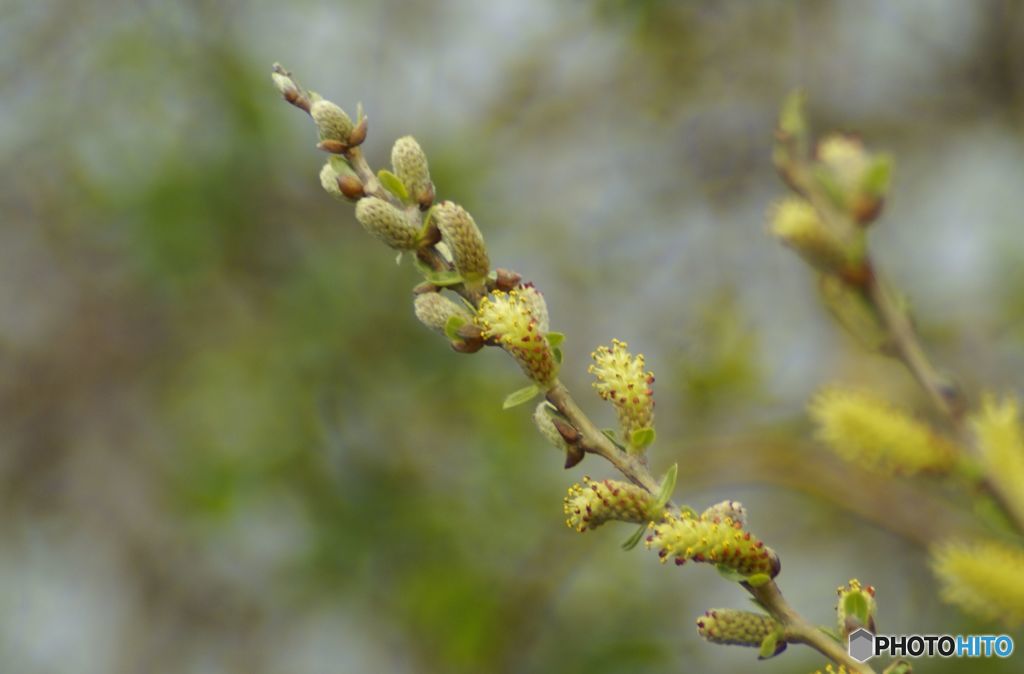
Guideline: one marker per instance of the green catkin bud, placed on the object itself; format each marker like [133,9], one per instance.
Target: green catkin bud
[875,435]
[1000,443]
[284,84]
[732,510]
[797,225]
[387,223]
[464,240]
[725,543]
[434,310]
[542,419]
[507,318]
[621,380]
[985,579]
[410,165]
[329,181]
[855,179]
[736,628]
[856,607]
[332,122]
[593,503]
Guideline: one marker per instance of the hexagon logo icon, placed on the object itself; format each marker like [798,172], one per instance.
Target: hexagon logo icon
[862,645]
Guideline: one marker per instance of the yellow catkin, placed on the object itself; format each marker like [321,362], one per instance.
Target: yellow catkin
[593,503]
[508,318]
[621,379]
[722,542]
[985,579]
[1000,444]
[873,434]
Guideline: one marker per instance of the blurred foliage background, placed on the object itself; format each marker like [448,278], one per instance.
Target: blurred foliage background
[227,444]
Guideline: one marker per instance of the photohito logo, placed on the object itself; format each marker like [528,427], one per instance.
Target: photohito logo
[864,645]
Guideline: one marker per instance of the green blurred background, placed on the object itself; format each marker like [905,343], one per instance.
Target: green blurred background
[227,445]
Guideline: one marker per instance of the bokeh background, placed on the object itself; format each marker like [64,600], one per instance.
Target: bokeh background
[226,445]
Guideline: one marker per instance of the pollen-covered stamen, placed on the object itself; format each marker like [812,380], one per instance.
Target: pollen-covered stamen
[700,539]
[508,319]
[621,380]
[593,503]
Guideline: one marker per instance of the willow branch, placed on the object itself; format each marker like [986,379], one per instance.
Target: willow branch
[769,596]
[905,345]
[586,436]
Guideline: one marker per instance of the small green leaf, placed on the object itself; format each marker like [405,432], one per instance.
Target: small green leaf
[642,438]
[443,278]
[668,485]
[557,353]
[856,605]
[758,579]
[555,339]
[392,184]
[792,120]
[635,538]
[878,175]
[771,646]
[451,328]
[341,165]
[523,395]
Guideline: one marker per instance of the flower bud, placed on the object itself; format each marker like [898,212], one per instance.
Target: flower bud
[871,433]
[387,223]
[621,379]
[463,238]
[332,122]
[507,319]
[542,418]
[434,310]
[855,179]
[797,224]
[732,510]
[284,84]
[410,164]
[329,181]
[982,578]
[594,503]
[725,543]
[856,607]
[737,628]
